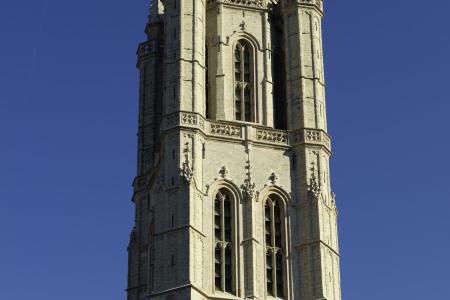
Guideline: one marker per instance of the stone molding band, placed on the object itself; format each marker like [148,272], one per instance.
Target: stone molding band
[266,4]
[246,131]
[248,3]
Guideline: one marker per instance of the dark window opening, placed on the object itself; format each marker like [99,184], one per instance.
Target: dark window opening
[278,69]
[243,87]
[274,247]
[223,233]
[207,97]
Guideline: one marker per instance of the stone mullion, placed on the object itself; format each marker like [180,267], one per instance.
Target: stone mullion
[242,83]
[223,271]
[274,272]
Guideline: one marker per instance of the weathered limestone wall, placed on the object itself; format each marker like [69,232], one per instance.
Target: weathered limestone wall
[226,25]
[184,159]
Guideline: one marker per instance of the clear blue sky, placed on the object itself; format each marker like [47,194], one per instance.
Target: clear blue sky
[68,119]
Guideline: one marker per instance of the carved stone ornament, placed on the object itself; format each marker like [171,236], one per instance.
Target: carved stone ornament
[222,245]
[186,171]
[313,187]
[250,3]
[249,186]
[223,172]
[225,130]
[273,178]
[243,26]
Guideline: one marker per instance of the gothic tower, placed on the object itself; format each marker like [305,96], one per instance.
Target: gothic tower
[232,193]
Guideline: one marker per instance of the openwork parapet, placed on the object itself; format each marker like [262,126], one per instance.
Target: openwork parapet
[240,131]
[311,136]
[249,3]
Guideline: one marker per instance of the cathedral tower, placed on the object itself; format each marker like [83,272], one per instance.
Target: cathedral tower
[232,194]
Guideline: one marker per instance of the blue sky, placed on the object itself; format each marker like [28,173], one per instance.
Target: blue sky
[68,109]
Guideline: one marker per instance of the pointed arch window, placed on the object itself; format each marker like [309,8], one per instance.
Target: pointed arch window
[275,250]
[207,89]
[224,249]
[243,77]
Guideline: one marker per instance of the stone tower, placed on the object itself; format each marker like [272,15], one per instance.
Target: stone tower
[232,193]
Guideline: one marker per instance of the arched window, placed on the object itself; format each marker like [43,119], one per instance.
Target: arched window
[243,77]
[207,98]
[224,250]
[274,225]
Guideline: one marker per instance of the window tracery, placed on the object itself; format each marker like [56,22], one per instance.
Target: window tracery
[207,88]
[275,250]
[243,87]
[224,250]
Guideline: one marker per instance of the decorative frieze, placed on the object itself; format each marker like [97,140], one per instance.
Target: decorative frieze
[272,136]
[311,136]
[188,119]
[237,131]
[225,130]
[249,3]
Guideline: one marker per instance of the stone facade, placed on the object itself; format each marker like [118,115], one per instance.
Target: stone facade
[232,194]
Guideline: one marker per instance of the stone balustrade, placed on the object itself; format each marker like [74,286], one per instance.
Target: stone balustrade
[249,3]
[243,131]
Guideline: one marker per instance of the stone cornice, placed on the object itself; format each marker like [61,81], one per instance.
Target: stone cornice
[242,131]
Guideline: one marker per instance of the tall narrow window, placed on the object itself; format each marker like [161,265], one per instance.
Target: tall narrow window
[274,247]
[207,98]
[224,251]
[243,88]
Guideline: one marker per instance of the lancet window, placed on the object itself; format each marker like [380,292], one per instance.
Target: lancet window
[224,232]
[243,77]
[274,228]
[207,97]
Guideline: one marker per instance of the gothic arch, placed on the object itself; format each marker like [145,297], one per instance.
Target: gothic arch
[224,183]
[245,79]
[223,186]
[284,246]
[279,191]
[237,36]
